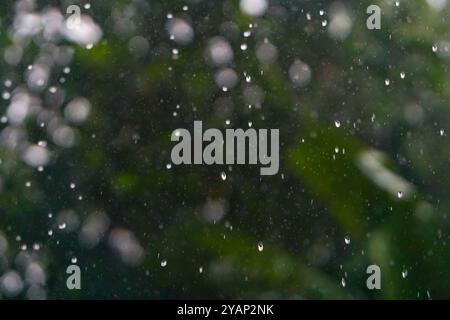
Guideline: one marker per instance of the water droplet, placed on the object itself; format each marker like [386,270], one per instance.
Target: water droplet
[337,123]
[50,232]
[250,124]
[227,122]
[402,75]
[72,185]
[168,166]
[343,284]
[87,6]
[163,263]
[404,273]
[400,194]
[247,33]
[347,240]
[62,226]
[89,46]
[28,184]
[321,12]
[387,82]
[442,132]
[397,3]
[6,95]
[243,46]
[36,247]
[324,23]
[200,269]
[434,48]
[223,175]
[74,260]
[260,246]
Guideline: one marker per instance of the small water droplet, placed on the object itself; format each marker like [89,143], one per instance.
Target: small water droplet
[337,123]
[387,82]
[28,184]
[74,260]
[6,95]
[260,246]
[223,175]
[347,240]
[72,185]
[168,166]
[400,194]
[62,226]
[200,269]
[343,284]
[89,46]
[404,273]
[163,263]
[243,46]
[442,132]
[434,48]
[402,75]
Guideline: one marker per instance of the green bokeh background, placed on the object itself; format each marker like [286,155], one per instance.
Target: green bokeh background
[302,214]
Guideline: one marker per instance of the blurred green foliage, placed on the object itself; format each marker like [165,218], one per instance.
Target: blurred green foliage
[322,194]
